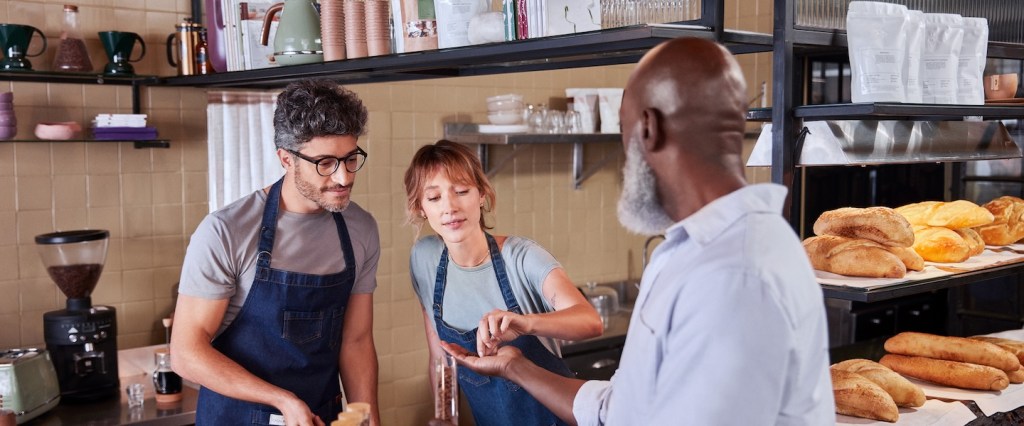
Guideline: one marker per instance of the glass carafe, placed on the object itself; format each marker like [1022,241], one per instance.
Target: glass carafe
[71,53]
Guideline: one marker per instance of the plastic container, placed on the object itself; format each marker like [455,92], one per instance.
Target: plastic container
[505,103]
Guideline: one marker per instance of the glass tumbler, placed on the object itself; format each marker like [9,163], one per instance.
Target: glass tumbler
[573,122]
[446,392]
[554,122]
[537,119]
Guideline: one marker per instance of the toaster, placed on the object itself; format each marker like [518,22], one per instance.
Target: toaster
[28,383]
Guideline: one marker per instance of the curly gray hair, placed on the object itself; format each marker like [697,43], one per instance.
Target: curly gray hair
[312,108]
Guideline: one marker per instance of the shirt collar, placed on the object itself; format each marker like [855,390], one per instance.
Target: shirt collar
[713,219]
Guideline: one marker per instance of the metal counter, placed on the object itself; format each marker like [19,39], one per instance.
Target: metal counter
[113,411]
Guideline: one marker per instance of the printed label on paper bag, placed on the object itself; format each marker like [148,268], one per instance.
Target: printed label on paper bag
[276,420]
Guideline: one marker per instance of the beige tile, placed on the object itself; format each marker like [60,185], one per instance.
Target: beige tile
[168,219]
[8,200]
[30,94]
[167,188]
[407,313]
[100,97]
[65,96]
[195,187]
[168,251]
[33,159]
[31,223]
[30,265]
[32,329]
[69,191]
[39,294]
[104,190]
[137,285]
[103,158]
[165,97]
[131,20]
[10,333]
[109,289]
[69,159]
[138,221]
[403,125]
[7,160]
[167,159]
[194,214]
[165,281]
[137,253]
[411,364]
[137,189]
[194,157]
[407,339]
[136,160]
[381,313]
[139,317]
[70,218]
[34,193]
[9,262]
[108,218]
[9,304]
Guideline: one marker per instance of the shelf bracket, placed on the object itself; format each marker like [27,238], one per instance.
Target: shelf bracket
[484,152]
[579,174]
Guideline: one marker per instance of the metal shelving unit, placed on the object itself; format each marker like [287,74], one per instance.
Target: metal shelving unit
[136,82]
[923,286]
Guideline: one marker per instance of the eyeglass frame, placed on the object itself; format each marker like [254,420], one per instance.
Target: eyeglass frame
[340,160]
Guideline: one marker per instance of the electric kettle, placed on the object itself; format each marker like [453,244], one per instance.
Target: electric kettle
[14,40]
[297,40]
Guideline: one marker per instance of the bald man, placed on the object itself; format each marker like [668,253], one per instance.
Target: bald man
[729,326]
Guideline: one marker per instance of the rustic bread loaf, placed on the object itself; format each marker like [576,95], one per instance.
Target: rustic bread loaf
[973,240]
[909,257]
[879,224]
[1008,226]
[936,244]
[950,373]
[1015,347]
[852,257]
[952,349]
[859,397]
[903,393]
[1016,377]
[954,214]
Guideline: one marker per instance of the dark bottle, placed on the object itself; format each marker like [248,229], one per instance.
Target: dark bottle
[203,64]
[166,382]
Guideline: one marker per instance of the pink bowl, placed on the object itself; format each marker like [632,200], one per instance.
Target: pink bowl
[57,131]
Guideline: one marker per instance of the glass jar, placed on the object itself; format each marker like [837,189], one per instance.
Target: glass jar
[166,382]
[71,52]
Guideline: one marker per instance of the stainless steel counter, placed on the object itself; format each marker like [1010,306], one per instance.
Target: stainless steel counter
[115,411]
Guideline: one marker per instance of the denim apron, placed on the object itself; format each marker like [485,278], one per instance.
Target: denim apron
[287,333]
[493,400]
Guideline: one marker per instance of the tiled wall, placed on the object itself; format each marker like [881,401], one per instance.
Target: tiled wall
[152,199]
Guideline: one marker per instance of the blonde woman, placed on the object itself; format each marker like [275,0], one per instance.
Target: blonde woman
[482,291]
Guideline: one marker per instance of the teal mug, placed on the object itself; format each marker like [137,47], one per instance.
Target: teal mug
[14,41]
[119,46]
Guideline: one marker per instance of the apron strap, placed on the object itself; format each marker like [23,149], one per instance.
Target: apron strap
[268,225]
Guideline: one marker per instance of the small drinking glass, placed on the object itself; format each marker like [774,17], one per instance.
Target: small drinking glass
[136,394]
[537,119]
[573,122]
[554,122]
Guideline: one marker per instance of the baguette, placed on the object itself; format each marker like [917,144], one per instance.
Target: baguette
[1008,226]
[1015,347]
[943,245]
[950,373]
[954,215]
[879,224]
[903,393]
[952,349]
[857,258]
[859,397]
[909,257]
[975,244]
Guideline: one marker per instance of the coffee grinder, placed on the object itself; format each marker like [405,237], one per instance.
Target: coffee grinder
[82,338]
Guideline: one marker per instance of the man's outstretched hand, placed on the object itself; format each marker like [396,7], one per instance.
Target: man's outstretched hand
[491,365]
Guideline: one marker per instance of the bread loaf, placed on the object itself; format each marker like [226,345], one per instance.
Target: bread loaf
[950,373]
[943,245]
[1015,347]
[1008,226]
[903,393]
[954,215]
[857,258]
[859,397]
[909,257]
[974,242]
[1016,377]
[952,349]
[879,224]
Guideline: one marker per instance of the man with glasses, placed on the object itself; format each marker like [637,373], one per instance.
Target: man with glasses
[276,295]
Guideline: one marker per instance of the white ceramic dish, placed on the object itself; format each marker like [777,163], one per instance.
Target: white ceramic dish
[502,118]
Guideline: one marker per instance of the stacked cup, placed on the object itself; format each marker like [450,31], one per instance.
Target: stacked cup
[355,28]
[8,123]
[378,31]
[332,29]
[505,109]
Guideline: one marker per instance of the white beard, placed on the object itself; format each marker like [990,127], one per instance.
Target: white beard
[639,210]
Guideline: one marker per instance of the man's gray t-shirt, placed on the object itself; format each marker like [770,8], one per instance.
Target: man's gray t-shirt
[472,292]
[220,262]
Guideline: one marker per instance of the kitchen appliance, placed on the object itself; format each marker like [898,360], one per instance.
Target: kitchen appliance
[184,39]
[14,40]
[297,40]
[82,338]
[119,46]
[28,383]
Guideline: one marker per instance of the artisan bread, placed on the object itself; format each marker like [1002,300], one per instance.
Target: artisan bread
[1015,347]
[903,393]
[909,257]
[973,240]
[950,373]
[857,258]
[879,224]
[859,397]
[952,349]
[943,245]
[1016,377]
[954,215]
[1008,226]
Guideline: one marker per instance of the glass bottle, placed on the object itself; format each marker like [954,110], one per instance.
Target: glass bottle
[71,52]
[166,382]
[203,64]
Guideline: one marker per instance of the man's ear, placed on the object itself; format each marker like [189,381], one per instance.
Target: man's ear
[285,157]
[652,136]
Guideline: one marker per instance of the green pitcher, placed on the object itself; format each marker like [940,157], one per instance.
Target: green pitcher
[14,40]
[297,40]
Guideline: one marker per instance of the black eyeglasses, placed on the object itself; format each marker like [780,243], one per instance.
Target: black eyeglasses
[327,165]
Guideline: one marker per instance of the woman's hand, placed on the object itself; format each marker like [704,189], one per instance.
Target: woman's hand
[493,365]
[497,327]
